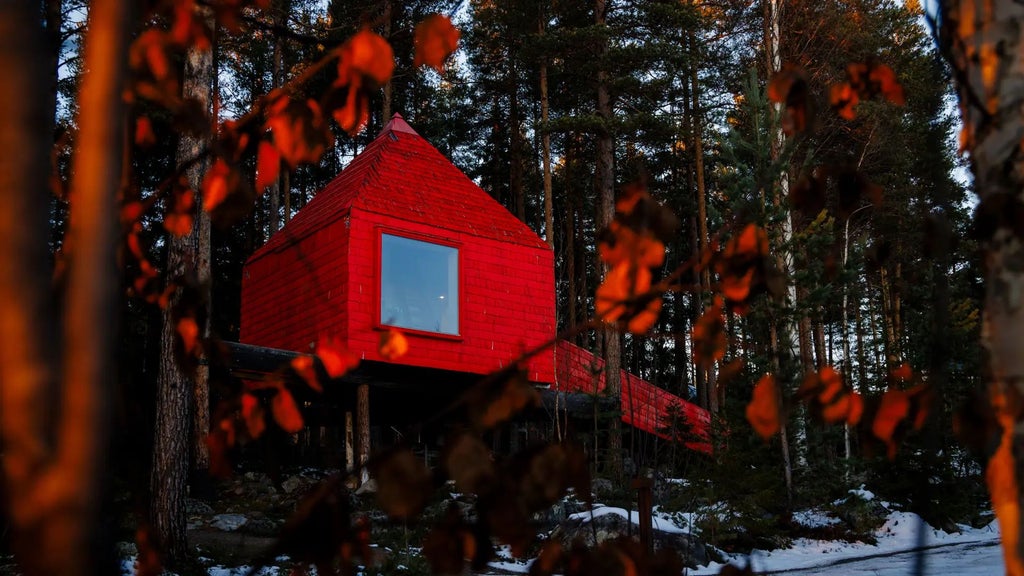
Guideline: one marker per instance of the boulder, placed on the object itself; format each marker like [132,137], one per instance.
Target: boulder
[592,532]
[228,522]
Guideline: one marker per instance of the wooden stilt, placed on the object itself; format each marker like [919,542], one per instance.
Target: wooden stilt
[363,421]
[350,455]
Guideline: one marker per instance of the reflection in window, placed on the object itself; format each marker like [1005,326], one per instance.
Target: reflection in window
[419,285]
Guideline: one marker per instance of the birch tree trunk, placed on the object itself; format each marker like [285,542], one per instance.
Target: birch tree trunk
[54,428]
[985,43]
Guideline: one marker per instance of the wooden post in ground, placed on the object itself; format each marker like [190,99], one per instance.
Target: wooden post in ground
[643,503]
[350,455]
[363,421]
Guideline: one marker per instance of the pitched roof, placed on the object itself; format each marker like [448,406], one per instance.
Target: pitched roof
[401,175]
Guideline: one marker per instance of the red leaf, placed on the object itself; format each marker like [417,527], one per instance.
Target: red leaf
[336,358]
[252,413]
[217,184]
[188,330]
[763,409]
[268,166]
[300,131]
[303,366]
[435,39]
[369,55]
[286,412]
[893,409]
[393,345]
[144,135]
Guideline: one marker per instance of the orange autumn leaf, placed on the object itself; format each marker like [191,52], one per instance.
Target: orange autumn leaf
[893,409]
[286,412]
[737,288]
[252,414]
[131,212]
[630,197]
[178,224]
[435,39]
[300,132]
[782,82]
[837,411]
[708,335]
[843,99]
[336,358]
[763,409]
[619,243]
[216,184]
[789,87]
[144,135]
[304,367]
[885,82]
[751,243]
[903,372]
[188,331]
[354,113]
[645,319]
[831,384]
[856,409]
[621,284]
[393,345]
[268,166]
[370,55]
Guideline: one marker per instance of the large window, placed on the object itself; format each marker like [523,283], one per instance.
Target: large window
[419,285]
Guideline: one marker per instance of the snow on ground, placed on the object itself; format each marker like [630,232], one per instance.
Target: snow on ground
[971,552]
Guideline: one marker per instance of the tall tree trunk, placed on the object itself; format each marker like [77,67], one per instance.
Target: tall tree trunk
[549,216]
[570,243]
[785,329]
[985,41]
[515,164]
[697,121]
[176,389]
[55,437]
[388,88]
[605,184]
[274,194]
[888,317]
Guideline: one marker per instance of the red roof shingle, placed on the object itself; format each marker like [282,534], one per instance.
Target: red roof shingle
[403,176]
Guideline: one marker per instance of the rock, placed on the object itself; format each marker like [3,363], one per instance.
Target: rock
[228,522]
[602,486]
[592,532]
[291,484]
[368,487]
[195,507]
[126,549]
[261,527]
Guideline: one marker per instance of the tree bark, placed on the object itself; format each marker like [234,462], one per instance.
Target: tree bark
[985,43]
[177,391]
[363,421]
[605,184]
[549,216]
[784,329]
[55,437]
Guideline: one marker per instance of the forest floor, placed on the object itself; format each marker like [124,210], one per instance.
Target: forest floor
[238,528]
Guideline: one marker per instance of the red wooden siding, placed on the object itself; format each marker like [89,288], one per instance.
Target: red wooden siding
[506,300]
[320,274]
[292,298]
[644,405]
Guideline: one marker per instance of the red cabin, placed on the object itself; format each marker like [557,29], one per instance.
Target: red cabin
[402,238]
